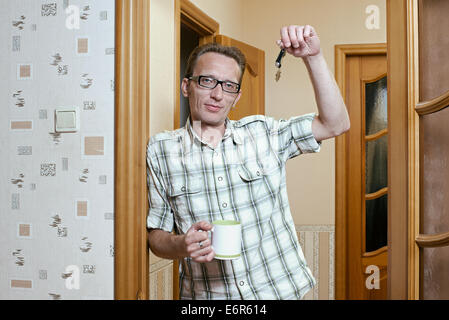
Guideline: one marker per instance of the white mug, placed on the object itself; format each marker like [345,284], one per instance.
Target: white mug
[226,239]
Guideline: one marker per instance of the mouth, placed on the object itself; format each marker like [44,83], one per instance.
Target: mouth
[213,107]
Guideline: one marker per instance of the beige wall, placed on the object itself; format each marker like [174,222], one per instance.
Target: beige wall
[162,65]
[229,14]
[162,79]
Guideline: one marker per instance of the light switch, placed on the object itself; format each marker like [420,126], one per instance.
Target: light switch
[67,119]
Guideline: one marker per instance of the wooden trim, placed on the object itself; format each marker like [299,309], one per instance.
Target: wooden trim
[341,162]
[132,106]
[177,91]
[377,194]
[176,120]
[398,160]
[432,241]
[413,146]
[375,253]
[376,135]
[197,20]
[433,105]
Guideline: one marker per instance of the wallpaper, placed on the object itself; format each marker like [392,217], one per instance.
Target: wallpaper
[56,188]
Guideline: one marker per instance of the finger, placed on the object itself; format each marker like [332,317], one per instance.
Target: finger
[201,255]
[285,37]
[206,258]
[307,31]
[199,226]
[293,34]
[201,248]
[300,35]
[196,237]
[312,32]
[280,44]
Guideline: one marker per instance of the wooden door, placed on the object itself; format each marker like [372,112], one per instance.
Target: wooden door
[430,132]
[418,93]
[252,100]
[361,223]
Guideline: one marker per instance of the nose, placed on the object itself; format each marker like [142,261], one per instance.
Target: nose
[217,92]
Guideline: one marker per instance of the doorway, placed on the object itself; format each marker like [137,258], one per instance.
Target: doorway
[189,40]
[361,175]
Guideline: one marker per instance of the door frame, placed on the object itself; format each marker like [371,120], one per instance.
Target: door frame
[132,112]
[342,52]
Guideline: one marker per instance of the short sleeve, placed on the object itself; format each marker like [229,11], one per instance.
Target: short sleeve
[160,215]
[295,136]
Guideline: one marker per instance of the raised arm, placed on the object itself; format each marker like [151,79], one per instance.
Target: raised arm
[333,119]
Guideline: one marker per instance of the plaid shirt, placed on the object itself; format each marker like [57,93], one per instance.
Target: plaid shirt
[242,179]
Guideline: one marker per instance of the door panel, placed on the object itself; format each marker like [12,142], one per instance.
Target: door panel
[432,234]
[367,147]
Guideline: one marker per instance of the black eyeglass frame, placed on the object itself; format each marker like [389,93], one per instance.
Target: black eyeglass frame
[218,82]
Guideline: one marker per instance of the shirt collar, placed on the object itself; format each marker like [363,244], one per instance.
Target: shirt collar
[230,131]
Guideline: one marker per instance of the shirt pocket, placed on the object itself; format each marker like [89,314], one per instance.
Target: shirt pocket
[252,178]
[184,197]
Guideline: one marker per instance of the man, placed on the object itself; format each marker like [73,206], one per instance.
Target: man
[214,168]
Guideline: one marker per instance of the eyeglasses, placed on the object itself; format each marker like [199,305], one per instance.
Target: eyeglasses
[211,83]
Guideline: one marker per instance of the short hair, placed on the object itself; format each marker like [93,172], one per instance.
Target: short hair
[231,52]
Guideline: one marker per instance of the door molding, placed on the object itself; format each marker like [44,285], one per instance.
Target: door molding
[341,160]
[132,111]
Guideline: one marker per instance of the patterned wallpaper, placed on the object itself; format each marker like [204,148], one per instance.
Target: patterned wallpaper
[56,189]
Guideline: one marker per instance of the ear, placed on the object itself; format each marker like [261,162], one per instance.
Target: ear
[184,87]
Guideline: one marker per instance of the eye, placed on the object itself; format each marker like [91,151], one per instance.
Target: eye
[207,80]
[230,85]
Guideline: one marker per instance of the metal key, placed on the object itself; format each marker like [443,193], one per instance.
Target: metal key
[278,64]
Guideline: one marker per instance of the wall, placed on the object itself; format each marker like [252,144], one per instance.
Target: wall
[56,196]
[229,14]
[162,79]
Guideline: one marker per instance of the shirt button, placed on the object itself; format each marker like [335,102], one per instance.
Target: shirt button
[242,283]
[224,205]
[183,188]
[220,178]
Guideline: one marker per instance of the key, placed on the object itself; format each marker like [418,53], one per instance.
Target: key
[278,64]
[278,75]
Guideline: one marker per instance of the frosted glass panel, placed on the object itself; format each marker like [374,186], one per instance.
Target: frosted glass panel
[376,223]
[376,153]
[376,106]
[434,273]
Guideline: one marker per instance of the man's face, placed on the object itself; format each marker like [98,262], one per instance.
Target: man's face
[211,106]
